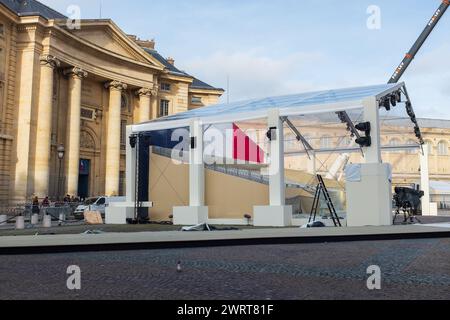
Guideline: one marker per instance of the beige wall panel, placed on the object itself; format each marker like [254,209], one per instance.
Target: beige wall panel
[91,93]
[229,197]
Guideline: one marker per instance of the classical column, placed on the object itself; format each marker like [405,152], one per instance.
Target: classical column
[113,137]
[144,95]
[73,129]
[154,103]
[44,126]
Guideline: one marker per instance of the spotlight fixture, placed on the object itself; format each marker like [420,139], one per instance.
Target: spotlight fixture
[366,128]
[387,104]
[398,94]
[272,134]
[394,100]
[193,143]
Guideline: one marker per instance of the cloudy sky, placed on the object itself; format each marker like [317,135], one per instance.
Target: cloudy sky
[289,46]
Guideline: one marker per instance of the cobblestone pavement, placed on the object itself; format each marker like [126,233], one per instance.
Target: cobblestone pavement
[411,269]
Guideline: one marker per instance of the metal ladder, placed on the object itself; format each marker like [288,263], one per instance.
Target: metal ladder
[322,189]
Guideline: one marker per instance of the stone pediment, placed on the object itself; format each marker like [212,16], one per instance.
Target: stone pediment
[106,35]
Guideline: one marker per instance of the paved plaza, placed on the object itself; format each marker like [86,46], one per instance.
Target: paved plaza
[411,269]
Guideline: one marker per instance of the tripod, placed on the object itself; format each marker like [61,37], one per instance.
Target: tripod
[408,214]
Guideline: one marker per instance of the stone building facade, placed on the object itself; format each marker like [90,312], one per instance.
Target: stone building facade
[77,88]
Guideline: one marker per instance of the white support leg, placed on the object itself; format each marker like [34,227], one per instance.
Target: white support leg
[277,214]
[197,212]
[369,185]
[372,154]
[425,182]
[130,176]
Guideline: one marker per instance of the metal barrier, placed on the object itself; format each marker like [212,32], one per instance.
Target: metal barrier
[26,210]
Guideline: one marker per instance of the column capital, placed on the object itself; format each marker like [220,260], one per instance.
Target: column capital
[49,61]
[116,85]
[76,72]
[144,92]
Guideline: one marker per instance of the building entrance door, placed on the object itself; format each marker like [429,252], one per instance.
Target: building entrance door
[83,179]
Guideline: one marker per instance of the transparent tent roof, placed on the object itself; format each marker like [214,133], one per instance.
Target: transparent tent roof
[288,105]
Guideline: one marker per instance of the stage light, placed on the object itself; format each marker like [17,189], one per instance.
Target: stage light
[393,100]
[366,128]
[387,104]
[399,96]
[364,141]
[272,134]
[133,141]
[363,126]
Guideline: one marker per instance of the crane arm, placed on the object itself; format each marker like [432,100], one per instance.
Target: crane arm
[419,42]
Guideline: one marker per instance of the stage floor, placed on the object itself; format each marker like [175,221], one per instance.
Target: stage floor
[178,239]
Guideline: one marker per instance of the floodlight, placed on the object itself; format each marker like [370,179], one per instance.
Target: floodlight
[393,100]
[272,134]
[387,104]
[366,128]
[363,126]
[399,96]
[364,141]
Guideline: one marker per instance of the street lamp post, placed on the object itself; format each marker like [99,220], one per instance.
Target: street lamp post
[61,150]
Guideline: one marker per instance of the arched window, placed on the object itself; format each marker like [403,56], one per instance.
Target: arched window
[325,142]
[442,148]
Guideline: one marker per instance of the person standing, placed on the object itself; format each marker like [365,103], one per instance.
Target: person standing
[45,205]
[35,206]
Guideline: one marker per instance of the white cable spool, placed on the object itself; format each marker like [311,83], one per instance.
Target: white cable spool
[35,219]
[47,221]
[20,223]
[3,219]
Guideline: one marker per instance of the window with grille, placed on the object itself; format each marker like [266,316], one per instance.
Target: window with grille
[442,148]
[196,100]
[122,184]
[123,128]
[165,86]
[430,147]
[325,142]
[164,108]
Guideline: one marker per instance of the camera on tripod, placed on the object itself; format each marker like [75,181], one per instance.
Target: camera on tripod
[408,200]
